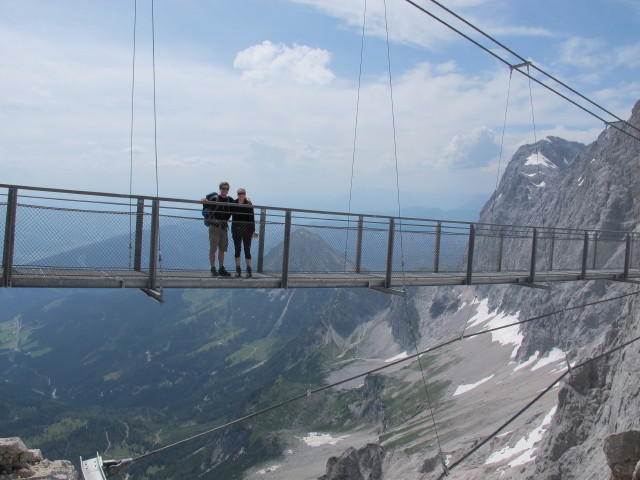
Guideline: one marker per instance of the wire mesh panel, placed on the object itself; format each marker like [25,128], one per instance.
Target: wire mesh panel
[518,249]
[414,251]
[375,237]
[545,250]
[71,238]
[607,250]
[568,250]
[489,249]
[414,244]
[453,251]
[274,231]
[85,232]
[183,243]
[634,251]
[3,216]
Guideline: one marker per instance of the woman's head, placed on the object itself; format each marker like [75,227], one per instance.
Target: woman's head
[242,195]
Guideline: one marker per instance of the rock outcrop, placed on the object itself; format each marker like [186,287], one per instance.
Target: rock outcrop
[17,461]
[362,464]
[623,455]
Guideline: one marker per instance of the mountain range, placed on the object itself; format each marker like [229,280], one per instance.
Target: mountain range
[114,372]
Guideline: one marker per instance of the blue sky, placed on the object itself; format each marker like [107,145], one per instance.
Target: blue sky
[263,94]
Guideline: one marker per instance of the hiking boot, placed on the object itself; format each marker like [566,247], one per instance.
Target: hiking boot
[214,272]
[249,272]
[238,272]
[223,273]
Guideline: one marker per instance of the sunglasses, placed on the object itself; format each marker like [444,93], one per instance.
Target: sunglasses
[224,188]
[242,193]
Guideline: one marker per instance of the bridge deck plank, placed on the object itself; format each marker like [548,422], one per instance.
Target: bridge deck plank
[86,278]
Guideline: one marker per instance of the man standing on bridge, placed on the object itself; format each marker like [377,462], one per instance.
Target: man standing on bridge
[216,217]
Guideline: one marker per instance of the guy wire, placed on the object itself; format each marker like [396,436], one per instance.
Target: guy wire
[402,264]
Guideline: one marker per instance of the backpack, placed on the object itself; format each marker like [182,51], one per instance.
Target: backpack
[208,211]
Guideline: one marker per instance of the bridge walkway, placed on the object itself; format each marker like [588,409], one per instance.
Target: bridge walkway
[57,238]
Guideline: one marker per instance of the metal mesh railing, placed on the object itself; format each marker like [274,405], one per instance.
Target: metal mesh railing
[76,231]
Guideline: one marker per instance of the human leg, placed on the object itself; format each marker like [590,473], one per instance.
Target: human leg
[213,246]
[224,243]
[247,252]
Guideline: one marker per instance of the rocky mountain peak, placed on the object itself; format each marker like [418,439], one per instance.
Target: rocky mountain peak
[532,168]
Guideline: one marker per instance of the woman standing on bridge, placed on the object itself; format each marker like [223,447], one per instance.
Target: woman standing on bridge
[243,229]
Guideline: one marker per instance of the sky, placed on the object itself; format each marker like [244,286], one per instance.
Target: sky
[320,104]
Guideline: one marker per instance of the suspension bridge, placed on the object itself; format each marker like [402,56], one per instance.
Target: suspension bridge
[57,238]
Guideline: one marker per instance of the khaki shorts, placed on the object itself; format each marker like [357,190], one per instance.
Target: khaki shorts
[218,239]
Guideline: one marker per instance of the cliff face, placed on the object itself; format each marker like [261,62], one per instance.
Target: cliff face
[598,189]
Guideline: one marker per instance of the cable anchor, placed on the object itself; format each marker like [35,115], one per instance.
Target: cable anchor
[97,469]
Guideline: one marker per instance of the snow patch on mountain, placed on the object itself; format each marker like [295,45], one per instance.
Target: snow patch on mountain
[539,159]
[488,320]
[465,388]
[525,447]
[314,439]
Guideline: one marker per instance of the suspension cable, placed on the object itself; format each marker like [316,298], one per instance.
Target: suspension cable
[155,115]
[355,131]
[155,134]
[528,62]
[504,128]
[537,152]
[499,58]
[133,83]
[402,263]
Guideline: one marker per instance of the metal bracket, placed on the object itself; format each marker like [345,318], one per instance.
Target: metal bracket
[156,295]
[400,293]
[92,468]
[534,285]
[97,469]
[524,64]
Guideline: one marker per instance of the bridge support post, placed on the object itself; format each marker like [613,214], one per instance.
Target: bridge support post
[595,249]
[263,227]
[285,249]
[137,256]
[585,256]
[534,250]
[436,253]
[627,257]
[9,237]
[153,249]
[472,242]
[392,227]
[500,249]
[553,246]
[359,244]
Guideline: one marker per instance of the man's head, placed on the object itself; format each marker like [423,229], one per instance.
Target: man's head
[224,189]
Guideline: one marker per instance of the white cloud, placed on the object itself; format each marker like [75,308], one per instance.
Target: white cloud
[410,26]
[627,55]
[270,62]
[582,52]
[471,150]
[590,53]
